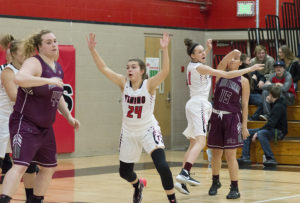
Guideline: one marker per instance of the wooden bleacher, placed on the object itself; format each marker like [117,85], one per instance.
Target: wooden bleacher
[286,151]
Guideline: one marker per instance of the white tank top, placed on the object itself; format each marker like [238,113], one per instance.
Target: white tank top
[6,106]
[138,107]
[199,84]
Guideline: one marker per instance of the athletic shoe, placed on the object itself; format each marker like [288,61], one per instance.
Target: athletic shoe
[213,190]
[270,163]
[184,177]
[244,161]
[138,193]
[233,193]
[182,188]
[264,117]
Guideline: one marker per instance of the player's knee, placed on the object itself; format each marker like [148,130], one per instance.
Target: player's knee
[18,169]
[126,172]
[32,168]
[162,167]
[159,160]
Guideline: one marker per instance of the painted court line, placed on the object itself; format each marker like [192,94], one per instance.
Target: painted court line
[279,198]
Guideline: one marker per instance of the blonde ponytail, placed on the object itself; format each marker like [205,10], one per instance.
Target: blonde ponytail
[5,41]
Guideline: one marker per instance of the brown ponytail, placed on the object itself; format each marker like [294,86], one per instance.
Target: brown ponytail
[190,46]
[5,41]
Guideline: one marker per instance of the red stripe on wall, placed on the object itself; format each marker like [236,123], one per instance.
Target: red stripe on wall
[221,15]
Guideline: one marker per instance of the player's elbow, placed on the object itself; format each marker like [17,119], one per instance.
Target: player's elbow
[20,79]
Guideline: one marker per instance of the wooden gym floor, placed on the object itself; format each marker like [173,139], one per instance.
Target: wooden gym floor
[96,179]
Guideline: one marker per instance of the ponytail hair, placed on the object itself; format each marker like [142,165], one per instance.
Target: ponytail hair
[8,42]
[5,41]
[15,45]
[190,46]
[142,67]
[33,42]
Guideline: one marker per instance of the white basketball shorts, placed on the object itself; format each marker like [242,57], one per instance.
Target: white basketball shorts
[198,112]
[4,137]
[132,142]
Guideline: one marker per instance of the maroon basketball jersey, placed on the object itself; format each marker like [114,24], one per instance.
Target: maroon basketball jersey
[228,95]
[39,104]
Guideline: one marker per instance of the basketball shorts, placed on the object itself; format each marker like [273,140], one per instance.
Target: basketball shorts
[198,112]
[31,143]
[225,131]
[133,142]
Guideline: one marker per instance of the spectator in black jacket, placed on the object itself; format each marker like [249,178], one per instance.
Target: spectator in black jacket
[291,63]
[275,129]
[256,81]
[256,94]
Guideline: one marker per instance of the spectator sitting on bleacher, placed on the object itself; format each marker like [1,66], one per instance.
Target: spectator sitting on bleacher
[261,57]
[282,79]
[275,129]
[256,94]
[254,78]
[291,63]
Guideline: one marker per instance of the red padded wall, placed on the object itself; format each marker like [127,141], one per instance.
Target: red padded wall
[221,15]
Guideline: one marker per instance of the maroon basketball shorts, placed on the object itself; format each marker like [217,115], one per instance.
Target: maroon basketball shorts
[31,143]
[225,131]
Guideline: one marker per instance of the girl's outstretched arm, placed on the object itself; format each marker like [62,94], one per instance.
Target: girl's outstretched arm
[116,78]
[158,78]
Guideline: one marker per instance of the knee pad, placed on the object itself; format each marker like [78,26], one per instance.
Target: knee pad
[162,167]
[32,168]
[7,163]
[126,171]
[1,162]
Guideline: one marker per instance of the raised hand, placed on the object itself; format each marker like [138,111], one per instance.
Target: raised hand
[91,41]
[209,44]
[164,42]
[236,53]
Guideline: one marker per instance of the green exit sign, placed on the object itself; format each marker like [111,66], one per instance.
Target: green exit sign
[245,8]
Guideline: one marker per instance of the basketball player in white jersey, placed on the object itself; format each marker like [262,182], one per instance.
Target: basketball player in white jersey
[198,108]
[139,127]
[5,104]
